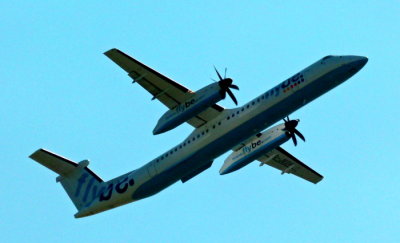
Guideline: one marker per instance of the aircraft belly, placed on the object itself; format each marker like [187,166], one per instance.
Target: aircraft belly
[256,124]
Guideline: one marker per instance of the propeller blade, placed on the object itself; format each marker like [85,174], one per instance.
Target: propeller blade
[232,96]
[232,86]
[225,73]
[294,138]
[299,134]
[219,75]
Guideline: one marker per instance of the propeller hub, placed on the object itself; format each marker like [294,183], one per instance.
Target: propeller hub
[290,128]
[291,125]
[226,84]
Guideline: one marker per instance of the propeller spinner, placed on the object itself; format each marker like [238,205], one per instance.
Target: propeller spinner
[226,86]
[290,127]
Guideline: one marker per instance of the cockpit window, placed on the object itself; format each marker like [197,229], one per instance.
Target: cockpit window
[327,57]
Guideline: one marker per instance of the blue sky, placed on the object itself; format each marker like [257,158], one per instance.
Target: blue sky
[61,93]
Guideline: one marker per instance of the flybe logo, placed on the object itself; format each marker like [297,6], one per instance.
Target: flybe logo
[251,147]
[89,189]
[286,85]
[292,82]
[182,107]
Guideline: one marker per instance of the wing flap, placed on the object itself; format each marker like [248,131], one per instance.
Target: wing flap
[287,163]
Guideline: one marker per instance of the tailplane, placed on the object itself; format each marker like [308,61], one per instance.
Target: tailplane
[81,184]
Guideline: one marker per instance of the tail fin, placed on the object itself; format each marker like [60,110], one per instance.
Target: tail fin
[77,180]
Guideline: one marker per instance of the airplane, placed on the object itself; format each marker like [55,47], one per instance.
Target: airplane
[216,131]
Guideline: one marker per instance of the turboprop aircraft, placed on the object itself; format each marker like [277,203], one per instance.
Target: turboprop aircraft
[216,131]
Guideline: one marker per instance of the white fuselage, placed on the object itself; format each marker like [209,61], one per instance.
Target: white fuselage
[227,130]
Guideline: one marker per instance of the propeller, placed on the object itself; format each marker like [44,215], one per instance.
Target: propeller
[226,86]
[290,127]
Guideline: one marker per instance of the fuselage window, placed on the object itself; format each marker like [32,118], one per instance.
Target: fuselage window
[207,131]
[219,123]
[252,103]
[198,136]
[248,106]
[243,109]
[237,112]
[213,126]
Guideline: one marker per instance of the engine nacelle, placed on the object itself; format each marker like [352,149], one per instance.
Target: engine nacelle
[203,99]
[260,145]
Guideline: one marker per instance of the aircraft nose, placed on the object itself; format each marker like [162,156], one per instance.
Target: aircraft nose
[358,62]
[354,63]
[361,61]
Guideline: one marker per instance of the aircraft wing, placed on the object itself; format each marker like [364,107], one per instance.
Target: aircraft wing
[287,163]
[167,91]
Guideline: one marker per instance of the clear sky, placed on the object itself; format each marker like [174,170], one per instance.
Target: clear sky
[61,93]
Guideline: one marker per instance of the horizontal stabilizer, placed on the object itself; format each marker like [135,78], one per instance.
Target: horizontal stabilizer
[58,164]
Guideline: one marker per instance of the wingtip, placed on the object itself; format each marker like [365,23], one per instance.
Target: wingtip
[109,51]
[32,156]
